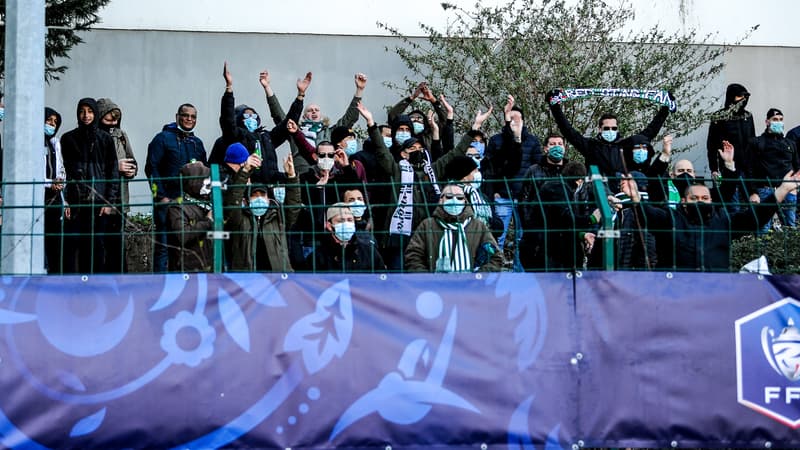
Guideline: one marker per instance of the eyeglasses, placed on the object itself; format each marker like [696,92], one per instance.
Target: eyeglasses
[250,116]
[188,116]
[453,196]
[640,146]
[609,128]
[327,155]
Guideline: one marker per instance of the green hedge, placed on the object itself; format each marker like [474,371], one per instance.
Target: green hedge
[782,249]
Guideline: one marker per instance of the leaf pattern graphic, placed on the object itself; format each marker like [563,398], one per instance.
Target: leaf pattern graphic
[71,381]
[326,332]
[526,300]
[88,424]
[173,287]
[259,288]
[234,320]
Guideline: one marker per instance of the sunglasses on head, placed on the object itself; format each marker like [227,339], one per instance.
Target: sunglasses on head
[455,196]
[327,155]
[609,128]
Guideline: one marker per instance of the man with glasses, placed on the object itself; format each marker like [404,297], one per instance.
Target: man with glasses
[452,240]
[602,150]
[172,148]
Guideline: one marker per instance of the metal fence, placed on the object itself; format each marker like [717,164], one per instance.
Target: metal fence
[551,228]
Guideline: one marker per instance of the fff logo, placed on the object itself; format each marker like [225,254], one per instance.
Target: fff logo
[768,361]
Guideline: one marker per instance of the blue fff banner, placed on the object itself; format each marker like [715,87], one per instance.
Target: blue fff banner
[517,361]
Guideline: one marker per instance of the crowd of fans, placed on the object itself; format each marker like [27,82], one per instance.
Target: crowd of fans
[416,195]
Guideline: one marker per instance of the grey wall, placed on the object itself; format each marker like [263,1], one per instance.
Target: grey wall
[149,73]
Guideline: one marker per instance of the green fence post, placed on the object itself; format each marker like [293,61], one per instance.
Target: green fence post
[607,231]
[218,235]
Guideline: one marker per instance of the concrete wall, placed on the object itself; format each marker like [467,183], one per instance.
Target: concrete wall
[149,73]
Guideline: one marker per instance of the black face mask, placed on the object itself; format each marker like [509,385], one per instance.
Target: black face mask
[416,157]
[699,212]
[682,182]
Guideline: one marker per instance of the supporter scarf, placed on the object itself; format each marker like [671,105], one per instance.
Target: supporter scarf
[403,216]
[660,97]
[482,211]
[454,253]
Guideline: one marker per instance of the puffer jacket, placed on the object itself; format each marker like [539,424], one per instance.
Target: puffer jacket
[167,153]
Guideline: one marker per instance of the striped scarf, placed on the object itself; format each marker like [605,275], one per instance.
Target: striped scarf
[482,210]
[453,250]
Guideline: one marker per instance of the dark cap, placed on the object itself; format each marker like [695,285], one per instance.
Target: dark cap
[459,167]
[408,143]
[339,133]
[773,112]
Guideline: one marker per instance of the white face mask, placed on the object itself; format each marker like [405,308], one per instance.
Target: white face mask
[325,163]
[358,208]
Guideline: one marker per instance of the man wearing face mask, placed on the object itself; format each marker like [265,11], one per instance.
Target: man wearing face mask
[343,249]
[638,153]
[603,150]
[452,240]
[243,124]
[416,119]
[415,185]
[734,124]
[172,148]
[769,156]
[354,197]
[111,122]
[55,213]
[703,233]
[257,226]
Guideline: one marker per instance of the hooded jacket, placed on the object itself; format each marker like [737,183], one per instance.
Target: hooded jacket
[651,167]
[423,249]
[54,161]
[170,150]
[188,223]
[396,114]
[732,123]
[91,162]
[122,145]
[596,150]
[231,121]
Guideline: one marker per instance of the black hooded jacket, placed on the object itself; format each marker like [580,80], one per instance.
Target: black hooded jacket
[51,149]
[732,123]
[231,121]
[90,162]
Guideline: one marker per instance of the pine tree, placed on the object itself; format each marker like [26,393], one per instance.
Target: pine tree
[65,19]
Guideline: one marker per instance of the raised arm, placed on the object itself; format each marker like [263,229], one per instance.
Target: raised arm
[274,105]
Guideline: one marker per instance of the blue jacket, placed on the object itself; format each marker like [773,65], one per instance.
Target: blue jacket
[170,150]
[506,160]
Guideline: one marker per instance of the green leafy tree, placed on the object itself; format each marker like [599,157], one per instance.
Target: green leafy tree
[528,47]
[64,19]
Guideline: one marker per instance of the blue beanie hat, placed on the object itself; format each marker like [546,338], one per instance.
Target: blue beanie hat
[236,153]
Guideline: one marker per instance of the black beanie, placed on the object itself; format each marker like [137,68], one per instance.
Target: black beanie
[459,167]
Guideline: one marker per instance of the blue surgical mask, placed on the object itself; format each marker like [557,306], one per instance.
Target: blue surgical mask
[418,127]
[251,124]
[479,146]
[49,130]
[344,231]
[477,178]
[387,141]
[352,147]
[259,206]
[279,192]
[2,113]
[402,136]
[556,153]
[776,127]
[453,206]
[609,135]
[639,155]
[358,208]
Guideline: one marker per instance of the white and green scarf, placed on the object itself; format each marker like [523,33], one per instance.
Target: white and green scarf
[454,253]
